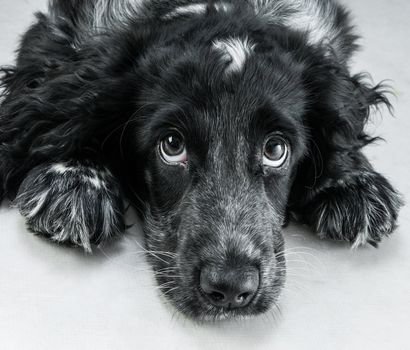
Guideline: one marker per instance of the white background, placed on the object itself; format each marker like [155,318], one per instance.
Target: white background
[59,298]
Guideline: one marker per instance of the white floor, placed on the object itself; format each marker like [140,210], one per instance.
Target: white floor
[57,298]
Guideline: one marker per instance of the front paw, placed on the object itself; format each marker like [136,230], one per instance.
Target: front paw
[71,203]
[362,208]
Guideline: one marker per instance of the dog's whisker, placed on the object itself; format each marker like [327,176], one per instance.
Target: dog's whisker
[151,254]
[167,254]
[170,290]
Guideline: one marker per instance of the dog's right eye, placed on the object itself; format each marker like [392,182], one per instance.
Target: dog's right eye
[173,149]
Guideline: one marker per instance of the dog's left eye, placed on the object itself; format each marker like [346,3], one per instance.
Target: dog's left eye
[173,149]
[275,152]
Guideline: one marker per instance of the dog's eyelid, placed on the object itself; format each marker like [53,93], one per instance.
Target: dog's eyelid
[289,136]
[169,129]
[280,135]
[277,133]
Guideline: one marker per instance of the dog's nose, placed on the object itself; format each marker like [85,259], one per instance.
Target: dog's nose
[229,287]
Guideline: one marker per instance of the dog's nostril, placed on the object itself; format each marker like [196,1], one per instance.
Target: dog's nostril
[231,288]
[242,297]
[216,296]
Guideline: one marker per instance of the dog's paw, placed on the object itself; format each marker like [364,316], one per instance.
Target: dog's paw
[360,209]
[72,203]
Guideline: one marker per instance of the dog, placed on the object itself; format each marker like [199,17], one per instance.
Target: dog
[218,120]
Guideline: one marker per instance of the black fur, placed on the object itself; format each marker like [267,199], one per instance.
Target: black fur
[95,90]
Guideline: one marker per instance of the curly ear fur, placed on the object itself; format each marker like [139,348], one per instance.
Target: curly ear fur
[336,120]
[336,191]
[51,106]
[354,99]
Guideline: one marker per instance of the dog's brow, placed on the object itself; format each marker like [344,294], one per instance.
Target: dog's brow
[267,119]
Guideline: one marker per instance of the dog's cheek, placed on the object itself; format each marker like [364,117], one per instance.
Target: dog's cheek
[166,184]
[277,190]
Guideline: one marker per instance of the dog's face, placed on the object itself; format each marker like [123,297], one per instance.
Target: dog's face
[220,140]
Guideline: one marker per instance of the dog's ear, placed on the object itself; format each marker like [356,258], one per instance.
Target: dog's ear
[338,109]
[336,191]
[63,96]
[341,105]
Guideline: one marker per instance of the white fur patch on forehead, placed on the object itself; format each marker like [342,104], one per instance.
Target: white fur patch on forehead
[187,10]
[235,51]
[196,9]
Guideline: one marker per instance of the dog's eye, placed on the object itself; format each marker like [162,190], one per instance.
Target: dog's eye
[275,152]
[173,149]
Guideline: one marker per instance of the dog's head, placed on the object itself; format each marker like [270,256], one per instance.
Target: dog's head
[225,120]
[219,129]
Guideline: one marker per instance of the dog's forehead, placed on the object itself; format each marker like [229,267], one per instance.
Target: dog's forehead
[254,77]
[216,92]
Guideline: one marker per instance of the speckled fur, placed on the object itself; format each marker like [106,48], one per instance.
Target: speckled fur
[99,83]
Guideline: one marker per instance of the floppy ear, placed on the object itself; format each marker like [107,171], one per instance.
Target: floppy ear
[62,97]
[342,109]
[336,190]
[339,108]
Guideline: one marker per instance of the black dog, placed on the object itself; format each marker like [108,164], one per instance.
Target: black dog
[217,119]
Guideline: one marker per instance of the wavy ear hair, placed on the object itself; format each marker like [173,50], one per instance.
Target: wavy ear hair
[339,108]
[62,96]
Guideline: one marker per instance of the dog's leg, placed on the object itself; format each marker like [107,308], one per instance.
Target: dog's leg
[72,202]
[350,202]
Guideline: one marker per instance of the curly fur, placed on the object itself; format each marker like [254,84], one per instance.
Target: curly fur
[97,85]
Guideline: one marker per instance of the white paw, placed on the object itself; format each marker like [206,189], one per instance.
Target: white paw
[71,203]
[362,210]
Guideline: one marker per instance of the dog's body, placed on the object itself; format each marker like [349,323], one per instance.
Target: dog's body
[217,119]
